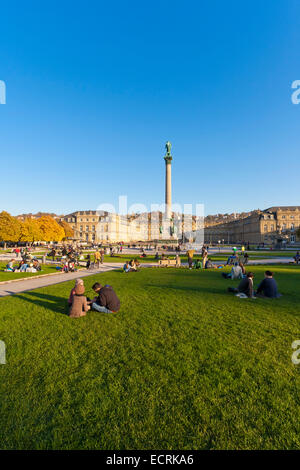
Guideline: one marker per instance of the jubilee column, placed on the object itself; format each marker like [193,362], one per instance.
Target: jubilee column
[168,198]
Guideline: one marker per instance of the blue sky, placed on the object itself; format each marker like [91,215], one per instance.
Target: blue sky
[94,90]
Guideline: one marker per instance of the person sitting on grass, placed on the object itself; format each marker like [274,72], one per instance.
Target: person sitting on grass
[78,282]
[137,263]
[235,273]
[132,265]
[23,266]
[245,287]
[65,266]
[209,264]
[242,268]
[36,264]
[268,287]
[10,266]
[198,264]
[71,266]
[126,267]
[79,305]
[107,300]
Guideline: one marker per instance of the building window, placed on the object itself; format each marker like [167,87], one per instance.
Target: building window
[87,228]
[292,227]
[93,228]
[284,227]
[272,228]
[81,228]
[293,238]
[265,228]
[283,216]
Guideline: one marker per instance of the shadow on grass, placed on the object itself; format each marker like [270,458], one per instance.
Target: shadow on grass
[199,289]
[202,289]
[51,302]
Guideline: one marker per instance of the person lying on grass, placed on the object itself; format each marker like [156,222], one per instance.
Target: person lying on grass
[245,287]
[268,287]
[79,305]
[107,300]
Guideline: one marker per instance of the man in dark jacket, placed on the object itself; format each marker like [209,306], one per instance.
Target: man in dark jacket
[245,286]
[268,287]
[107,300]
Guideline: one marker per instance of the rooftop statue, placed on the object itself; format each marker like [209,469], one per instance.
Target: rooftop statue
[168,149]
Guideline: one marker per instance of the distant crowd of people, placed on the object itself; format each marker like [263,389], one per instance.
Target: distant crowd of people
[28,266]
[24,262]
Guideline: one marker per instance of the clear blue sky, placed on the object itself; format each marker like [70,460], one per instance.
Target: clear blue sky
[95,88]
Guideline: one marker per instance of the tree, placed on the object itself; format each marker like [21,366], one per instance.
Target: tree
[9,228]
[69,232]
[50,229]
[30,231]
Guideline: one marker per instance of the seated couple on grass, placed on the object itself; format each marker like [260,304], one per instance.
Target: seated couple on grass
[106,300]
[267,288]
[131,266]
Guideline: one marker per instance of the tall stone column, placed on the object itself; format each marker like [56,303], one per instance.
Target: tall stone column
[168,197]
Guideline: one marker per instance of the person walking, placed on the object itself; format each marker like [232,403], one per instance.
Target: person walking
[97,258]
[190,255]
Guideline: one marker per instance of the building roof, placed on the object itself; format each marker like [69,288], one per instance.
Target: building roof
[282,208]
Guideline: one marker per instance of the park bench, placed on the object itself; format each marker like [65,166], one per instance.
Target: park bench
[168,262]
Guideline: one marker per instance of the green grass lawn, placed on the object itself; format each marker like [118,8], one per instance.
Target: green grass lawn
[8,276]
[183,365]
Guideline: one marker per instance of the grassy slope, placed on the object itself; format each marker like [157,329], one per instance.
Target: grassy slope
[183,365]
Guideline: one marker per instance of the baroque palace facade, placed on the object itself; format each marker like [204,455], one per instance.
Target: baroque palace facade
[103,227]
[273,226]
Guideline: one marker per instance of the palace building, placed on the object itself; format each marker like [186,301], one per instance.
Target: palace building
[274,226]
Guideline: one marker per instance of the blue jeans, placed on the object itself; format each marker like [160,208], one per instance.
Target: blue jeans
[99,308]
